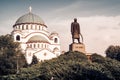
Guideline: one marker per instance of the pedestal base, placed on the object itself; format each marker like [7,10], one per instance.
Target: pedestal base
[77,47]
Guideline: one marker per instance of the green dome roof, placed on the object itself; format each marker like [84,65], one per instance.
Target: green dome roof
[37,38]
[30,18]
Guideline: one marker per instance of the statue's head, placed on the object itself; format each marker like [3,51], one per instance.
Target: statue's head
[75,19]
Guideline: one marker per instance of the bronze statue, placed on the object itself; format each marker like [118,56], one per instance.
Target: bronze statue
[75,30]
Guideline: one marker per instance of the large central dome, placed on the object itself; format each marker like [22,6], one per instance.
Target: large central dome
[30,18]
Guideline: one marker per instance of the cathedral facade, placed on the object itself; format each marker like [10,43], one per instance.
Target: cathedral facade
[35,40]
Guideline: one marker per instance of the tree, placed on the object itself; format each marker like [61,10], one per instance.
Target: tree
[113,66]
[113,52]
[10,55]
[71,66]
[97,58]
[118,57]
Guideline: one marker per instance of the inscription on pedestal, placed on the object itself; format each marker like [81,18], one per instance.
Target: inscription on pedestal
[77,47]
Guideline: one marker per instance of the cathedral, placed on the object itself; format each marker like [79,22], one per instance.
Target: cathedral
[34,38]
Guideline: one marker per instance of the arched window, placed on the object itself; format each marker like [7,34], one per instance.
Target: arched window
[34,45]
[22,27]
[27,27]
[30,45]
[18,38]
[16,27]
[55,49]
[38,46]
[56,40]
[19,27]
[44,45]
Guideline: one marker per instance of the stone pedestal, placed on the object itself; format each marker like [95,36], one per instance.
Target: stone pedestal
[77,47]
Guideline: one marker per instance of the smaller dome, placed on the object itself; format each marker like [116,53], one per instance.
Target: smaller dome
[54,33]
[30,18]
[37,38]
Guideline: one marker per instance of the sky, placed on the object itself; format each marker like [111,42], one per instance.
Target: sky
[99,20]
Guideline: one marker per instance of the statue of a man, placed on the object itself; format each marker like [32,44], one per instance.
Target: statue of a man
[75,30]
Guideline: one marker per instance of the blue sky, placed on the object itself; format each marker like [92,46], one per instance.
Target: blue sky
[99,19]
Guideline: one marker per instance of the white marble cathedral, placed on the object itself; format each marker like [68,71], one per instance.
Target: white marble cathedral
[31,31]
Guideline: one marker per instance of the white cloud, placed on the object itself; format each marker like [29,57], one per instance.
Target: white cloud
[6,26]
[98,32]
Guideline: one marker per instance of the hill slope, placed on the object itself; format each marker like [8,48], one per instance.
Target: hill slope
[71,66]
